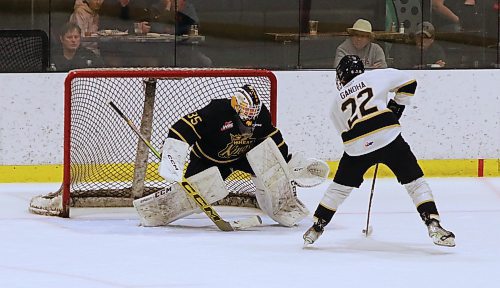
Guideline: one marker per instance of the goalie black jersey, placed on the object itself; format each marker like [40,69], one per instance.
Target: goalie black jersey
[217,134]
[360,110]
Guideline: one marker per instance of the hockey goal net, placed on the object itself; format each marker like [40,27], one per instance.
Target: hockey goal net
[105,163]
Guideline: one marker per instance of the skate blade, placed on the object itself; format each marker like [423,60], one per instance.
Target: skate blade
[307,241]
[446,242]
[307,244]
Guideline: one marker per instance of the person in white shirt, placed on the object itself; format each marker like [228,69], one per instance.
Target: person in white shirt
[368,121]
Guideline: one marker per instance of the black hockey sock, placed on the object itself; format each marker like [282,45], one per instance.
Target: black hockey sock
[324,216]
[426,210]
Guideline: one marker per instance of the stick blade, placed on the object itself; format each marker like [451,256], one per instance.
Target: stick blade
[246,223]
[224,225]
[242,224]
[368,231]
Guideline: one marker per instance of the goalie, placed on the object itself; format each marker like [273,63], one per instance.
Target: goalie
[225,136]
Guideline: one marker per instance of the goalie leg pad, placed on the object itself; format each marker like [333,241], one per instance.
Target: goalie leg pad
[166,206]
[280,203]
[275,190]
[335,195]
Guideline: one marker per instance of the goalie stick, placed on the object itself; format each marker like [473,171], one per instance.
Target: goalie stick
[191,191]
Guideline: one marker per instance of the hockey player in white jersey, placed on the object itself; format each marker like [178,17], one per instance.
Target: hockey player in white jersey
[368,121]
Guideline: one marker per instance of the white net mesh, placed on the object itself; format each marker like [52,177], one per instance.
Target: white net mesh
[106,165]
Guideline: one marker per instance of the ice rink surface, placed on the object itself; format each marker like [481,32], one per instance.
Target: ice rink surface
[105,248]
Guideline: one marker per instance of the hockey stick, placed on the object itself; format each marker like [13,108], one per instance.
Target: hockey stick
[368,229]
[192,191]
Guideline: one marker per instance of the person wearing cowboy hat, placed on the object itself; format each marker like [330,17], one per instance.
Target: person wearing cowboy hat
[360,43]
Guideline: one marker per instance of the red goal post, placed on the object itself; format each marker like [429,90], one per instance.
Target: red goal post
[105,164]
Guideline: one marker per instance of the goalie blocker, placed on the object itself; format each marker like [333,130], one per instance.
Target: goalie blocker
[173,159]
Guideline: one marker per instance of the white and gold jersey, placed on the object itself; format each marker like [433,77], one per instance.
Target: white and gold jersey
[360,112]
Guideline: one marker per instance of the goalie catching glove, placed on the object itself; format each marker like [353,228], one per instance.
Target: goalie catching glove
[173,159]
[307,172]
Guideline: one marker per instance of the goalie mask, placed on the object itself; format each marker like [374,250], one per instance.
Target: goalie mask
[349,67]
[247,104]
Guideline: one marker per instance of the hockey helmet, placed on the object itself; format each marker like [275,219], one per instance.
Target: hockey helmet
[349,67]
[246,103]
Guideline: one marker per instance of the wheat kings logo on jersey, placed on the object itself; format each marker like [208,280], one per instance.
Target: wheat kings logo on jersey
[239,145]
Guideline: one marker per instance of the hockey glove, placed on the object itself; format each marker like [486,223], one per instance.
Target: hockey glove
[307,172]
[173,159]
[396,108]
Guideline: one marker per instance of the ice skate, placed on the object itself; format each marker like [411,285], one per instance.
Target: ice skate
[312,234]
[439,235]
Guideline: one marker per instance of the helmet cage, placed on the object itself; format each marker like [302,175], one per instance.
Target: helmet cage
[248,112]
[246,103]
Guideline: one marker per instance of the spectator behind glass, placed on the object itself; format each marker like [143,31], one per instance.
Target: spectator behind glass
[155,16]
[188,55]
[163,17]
[158,16]
[71,55]
[139,11]
[456,15]
[425,53]
[166,19]
[432,53]
[86,16]
[185,17]
[360,44]
[122,14]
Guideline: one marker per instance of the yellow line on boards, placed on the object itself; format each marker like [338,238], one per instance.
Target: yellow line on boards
[31,174]
[441,168]
[432,168]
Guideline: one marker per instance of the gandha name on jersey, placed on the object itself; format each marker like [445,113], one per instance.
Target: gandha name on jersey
[350,90]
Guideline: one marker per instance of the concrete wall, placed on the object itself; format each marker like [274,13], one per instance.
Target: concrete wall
[454,115]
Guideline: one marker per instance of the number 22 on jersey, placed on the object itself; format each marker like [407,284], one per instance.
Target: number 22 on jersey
[359,105]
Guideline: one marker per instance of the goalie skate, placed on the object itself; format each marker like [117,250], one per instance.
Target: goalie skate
[439,235]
